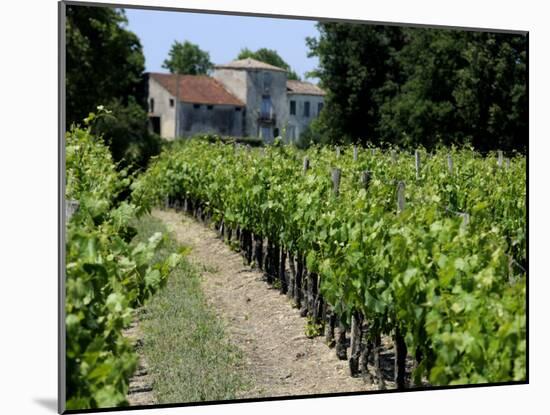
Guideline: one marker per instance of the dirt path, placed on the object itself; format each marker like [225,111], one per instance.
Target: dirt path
[279,359]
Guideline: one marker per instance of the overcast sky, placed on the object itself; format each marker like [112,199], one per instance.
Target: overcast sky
[222,36]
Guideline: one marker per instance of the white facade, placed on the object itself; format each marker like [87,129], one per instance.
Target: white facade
[160,109]
[302,109]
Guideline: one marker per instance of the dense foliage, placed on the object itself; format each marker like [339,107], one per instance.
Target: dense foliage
[187,58]
[454,289]
[105,65]
[107,276]
[271,57]
[411,86]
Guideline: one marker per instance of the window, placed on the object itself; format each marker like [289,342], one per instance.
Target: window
[237,109]
[151,105]
[292,107]
[209,107]
[319,107]
[276,132]
[266,106]
[196,106]
[171,102]
[306,109]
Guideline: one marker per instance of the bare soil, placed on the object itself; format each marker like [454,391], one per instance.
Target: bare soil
[279,359]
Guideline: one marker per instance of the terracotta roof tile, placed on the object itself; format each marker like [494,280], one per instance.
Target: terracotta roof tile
[300,87]
[197,89]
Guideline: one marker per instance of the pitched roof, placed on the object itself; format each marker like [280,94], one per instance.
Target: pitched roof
[197,89]
[249,63]
[305,88]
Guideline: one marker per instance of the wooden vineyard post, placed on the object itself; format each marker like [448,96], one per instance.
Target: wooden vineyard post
[377,363]
[356,339]
[366,349]
[282,271]
[304,306]
[298,284]
[507,163]
[340,334]
[341,349]
[400,347]
[417,163]
[71,206]
[365,179]
[268,262]
[274,261]
[500,158]
[337,152]
[300,294]
[305,165]
[357,348]
[292,276]
[247,239]
[394,156]
[319,304]
[400,196]
[336,175]
[258,250]
[372,151]
[465,220]
[330,321]
[450,163]
[355,152]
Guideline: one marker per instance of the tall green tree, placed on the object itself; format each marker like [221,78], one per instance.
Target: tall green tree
[270,57]
[427,87]
[491,91]
[105,65]
[187,58]
[104,60]
[421,109]
[459,88]
[355,62]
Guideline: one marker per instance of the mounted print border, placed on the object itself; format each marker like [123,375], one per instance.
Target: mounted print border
[341,213]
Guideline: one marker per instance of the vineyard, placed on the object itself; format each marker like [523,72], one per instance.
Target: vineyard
[107,277]
[428,248]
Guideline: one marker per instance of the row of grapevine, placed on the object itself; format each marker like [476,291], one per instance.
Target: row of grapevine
[450,291]
[106,275]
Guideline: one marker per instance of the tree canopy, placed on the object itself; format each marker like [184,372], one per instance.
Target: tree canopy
[104,60]
[104,66]
[270,57]
[411,87]
[187,58]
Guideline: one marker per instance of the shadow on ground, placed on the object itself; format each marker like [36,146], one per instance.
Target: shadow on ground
[48,403]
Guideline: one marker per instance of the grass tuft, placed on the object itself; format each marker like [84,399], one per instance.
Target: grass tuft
[185,344]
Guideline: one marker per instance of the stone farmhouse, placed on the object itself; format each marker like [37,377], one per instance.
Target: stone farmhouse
[244,98]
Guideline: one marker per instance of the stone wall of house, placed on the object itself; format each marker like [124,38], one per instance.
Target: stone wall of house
[162,108]
[233,80]
[215,119]
[298,122]
[272,84]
